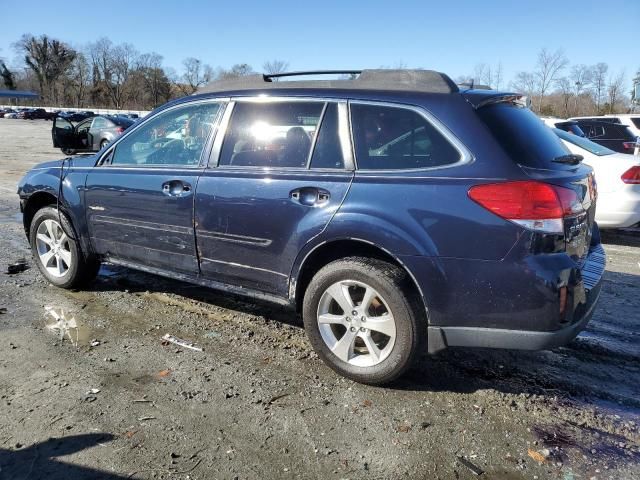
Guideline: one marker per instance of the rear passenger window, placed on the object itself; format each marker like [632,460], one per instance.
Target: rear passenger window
[271,134]
[389,138]
[327,152]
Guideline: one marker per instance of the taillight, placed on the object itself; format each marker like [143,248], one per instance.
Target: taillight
[632,176]
[630,145]
[119,129]
[534,205]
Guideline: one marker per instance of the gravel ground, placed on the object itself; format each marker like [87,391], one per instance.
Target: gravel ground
[109,400]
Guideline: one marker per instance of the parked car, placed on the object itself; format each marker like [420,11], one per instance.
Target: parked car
[618,180]
[38,113]
[90,135]
[16,113]
[6,111]
[631,120]
[76,116]
[396,213]
[21,112]
[612,135]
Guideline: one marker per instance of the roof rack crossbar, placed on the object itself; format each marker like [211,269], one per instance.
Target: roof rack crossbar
[268,77]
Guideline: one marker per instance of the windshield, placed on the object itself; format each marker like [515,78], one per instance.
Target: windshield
[588,145]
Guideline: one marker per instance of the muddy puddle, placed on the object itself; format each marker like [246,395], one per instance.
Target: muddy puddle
[65,326]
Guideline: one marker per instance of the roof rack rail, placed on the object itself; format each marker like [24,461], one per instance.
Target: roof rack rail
[426,81]
[269,76]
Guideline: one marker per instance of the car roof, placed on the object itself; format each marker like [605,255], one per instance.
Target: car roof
[428,81]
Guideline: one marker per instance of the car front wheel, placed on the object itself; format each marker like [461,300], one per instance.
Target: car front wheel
[57,253]
[364,319]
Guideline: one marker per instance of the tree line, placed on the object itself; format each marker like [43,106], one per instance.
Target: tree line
[557,88]
[103,74]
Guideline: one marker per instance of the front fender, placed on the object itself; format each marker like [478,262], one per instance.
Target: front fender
[45,179]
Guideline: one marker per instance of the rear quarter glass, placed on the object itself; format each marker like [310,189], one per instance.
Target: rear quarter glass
[523,136]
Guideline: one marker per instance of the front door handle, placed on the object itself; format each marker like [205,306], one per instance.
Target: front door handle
[176,188]
[310,196]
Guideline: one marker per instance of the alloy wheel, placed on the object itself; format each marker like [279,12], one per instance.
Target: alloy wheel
[356,323]
[54,250]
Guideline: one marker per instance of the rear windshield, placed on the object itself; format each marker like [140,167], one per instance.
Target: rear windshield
[636,121]
[588,145]
[523,136]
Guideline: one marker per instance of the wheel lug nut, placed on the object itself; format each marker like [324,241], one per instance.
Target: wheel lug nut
[363,319]
[362,329]
[348,319]
[354,313]
[353,329]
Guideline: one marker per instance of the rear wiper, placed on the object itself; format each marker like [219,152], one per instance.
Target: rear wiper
[569,159]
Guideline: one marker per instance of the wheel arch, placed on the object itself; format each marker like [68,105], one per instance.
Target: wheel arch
[309,262]
[35,202]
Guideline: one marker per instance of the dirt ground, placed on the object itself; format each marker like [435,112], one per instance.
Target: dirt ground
[110,401]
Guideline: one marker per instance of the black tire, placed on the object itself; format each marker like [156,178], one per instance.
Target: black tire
[68,151]
[82,270]
[397,291]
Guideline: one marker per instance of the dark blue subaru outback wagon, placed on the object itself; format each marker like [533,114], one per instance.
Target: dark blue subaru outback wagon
[395,211]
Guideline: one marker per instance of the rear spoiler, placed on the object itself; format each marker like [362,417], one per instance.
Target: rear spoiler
[482,98]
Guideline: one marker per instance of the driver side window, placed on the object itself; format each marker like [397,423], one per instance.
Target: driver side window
[175,137]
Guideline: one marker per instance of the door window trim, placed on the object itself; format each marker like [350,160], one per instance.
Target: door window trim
[105,158]
[466,156]
[343,133]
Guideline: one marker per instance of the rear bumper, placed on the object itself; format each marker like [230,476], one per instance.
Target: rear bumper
[513,305]
[443,337]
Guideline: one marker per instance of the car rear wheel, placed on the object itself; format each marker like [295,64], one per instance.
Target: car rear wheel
[68,151]
[57,253]
[104,143]
[364,319]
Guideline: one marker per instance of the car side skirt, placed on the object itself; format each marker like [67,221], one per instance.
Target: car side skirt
[195,279]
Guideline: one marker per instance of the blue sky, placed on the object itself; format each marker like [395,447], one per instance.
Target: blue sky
[448,36]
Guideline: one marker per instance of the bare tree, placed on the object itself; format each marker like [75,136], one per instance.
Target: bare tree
[581,78]
[497,76]
[123,58]
[484,74]
[156,82]
[599,75]
[548,67]
[237,70]
[80,75]
[524,82]
[614,90]
[566,90]
[195,75]
[273,67]
[47,58]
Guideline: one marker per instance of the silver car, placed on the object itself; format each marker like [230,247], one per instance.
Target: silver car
[89,135]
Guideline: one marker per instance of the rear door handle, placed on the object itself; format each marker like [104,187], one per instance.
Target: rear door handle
[310,196]
[176,188]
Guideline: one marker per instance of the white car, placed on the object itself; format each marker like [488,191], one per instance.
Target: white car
[617,177]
